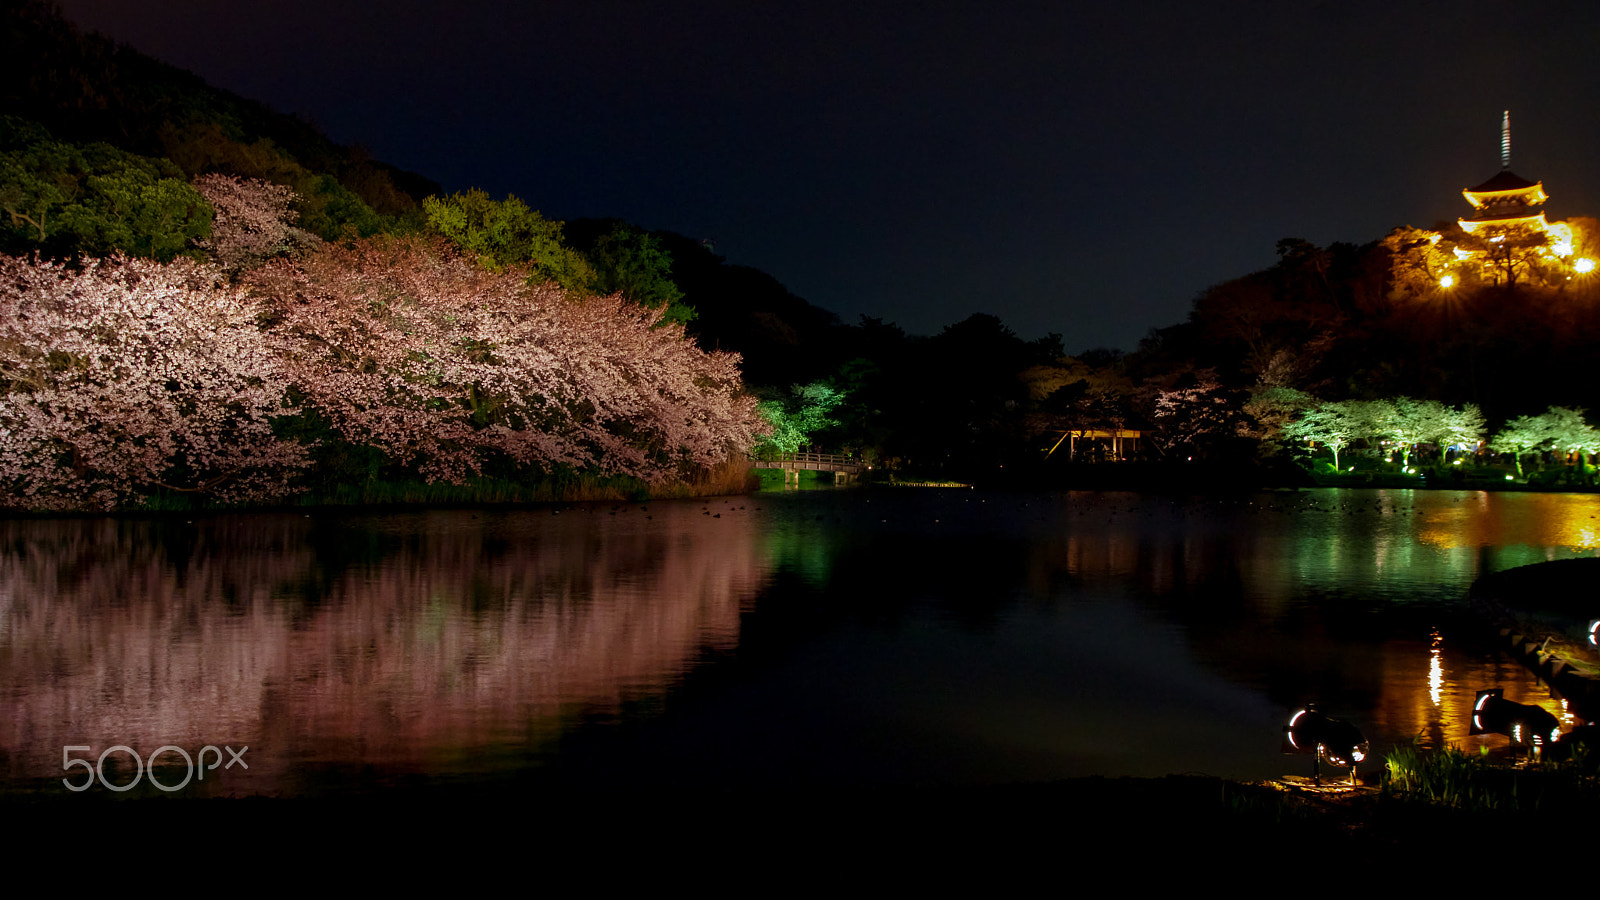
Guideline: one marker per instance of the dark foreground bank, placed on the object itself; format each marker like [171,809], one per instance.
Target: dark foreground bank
[1066,823]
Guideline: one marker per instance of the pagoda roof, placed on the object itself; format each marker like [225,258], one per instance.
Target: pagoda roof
[1535,220]
[1506,180]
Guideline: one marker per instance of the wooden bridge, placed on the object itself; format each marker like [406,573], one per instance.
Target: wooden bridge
[845,469]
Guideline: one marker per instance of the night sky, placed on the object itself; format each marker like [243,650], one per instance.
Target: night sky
[1071,168]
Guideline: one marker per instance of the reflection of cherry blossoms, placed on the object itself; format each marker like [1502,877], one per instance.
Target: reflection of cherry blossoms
[448,635]
[128,376]
[445,366]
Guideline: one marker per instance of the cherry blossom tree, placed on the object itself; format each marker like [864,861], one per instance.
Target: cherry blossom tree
[1408,422]
[1195,419]
[254,221]
[128,376]
[1557,428]
[1269,410]
[1334,424]
[406,347]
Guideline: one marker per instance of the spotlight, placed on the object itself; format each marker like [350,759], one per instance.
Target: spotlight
[1523,724]
[1341,743]
[1594,633]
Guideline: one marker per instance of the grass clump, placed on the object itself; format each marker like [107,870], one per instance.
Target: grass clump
[1453,778]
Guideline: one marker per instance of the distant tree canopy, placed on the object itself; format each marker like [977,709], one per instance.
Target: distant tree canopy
[87,89]
[254,222]
[631,262]
[784,339]
[326,206]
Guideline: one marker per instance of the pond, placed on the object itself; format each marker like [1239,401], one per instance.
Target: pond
[822,638]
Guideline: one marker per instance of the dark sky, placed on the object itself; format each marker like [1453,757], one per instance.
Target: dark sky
[1078,168]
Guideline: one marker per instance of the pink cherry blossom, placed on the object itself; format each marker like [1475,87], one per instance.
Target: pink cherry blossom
[254,221]
[127,376]
[409,348]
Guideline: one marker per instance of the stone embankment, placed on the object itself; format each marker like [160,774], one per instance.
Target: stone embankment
[1542,613]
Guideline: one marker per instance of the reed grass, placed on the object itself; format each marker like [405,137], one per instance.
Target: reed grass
[1454,778]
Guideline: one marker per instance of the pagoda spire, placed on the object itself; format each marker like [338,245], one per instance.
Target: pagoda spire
[1507,199]
[1505,141]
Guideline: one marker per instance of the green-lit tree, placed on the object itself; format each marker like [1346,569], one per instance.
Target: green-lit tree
[1408,422]
[68,200]
[1336,425]
[805,410]
[1570,431]
[504,233]
[1557,428]
[1445,426]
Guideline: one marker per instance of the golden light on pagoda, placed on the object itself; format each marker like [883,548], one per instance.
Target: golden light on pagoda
[1507,200]
[1506,240]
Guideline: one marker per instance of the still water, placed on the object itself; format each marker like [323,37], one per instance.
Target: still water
[909,637]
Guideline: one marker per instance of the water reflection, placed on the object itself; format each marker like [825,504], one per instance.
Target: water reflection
[839,637]
[1330,595]
[429,643]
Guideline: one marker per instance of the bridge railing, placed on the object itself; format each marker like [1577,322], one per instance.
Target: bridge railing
[834,461]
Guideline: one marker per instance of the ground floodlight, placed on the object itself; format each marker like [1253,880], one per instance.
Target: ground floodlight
[1492,713]
[1324,737]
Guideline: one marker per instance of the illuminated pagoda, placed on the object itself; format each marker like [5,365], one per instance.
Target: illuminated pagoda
[1507,239]
[1507,200]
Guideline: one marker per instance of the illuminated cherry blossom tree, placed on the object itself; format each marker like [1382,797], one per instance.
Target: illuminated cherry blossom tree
[1408,422]
[1335,425]
[1557,428]
[440,364]
[1196,418]
[254,221]
[129,376]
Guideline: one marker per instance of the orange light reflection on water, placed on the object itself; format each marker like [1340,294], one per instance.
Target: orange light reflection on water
[1540,520]
[1430,689]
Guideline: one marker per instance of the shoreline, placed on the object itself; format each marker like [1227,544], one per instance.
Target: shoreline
[539,496]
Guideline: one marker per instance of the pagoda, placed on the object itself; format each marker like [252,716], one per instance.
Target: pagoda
[1505,241]
[1507,200]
